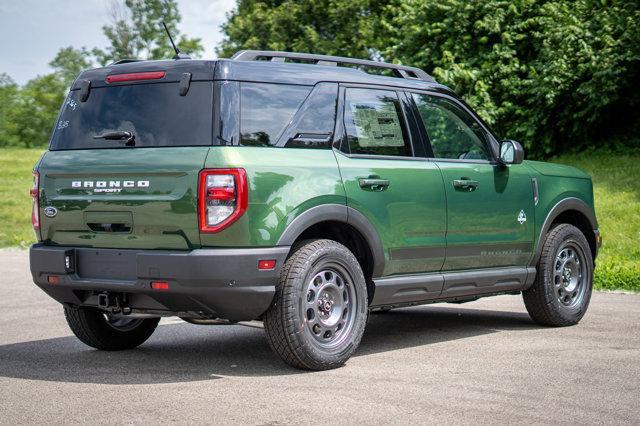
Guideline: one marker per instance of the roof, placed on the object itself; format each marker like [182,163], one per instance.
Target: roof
[310,74]
[257,71]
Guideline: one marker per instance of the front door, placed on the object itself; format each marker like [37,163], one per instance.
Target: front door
[489,205]
[388,179]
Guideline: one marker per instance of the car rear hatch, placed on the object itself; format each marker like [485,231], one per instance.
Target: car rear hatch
[102,187]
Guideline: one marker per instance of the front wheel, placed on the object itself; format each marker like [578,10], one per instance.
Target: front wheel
[320,308]
[102,331]
[561,291]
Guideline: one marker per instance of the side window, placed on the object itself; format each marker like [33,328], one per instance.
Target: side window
[453,133]
[266,109]
[312,126]
[374,123]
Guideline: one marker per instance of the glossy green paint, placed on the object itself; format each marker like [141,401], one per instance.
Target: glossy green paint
[417,217]
[558,170]
[162,216]
[282,184]
[483,230]
[409,216]
[558,182]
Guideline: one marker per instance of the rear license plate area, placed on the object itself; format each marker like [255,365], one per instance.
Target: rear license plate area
[106,264]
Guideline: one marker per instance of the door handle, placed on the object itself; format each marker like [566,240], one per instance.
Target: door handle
[374,184]
[465,184]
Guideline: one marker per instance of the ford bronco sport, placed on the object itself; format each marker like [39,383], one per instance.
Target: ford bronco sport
[299,190]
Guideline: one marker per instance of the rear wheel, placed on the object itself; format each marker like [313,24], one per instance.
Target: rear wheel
[561,292]
[102,331]
[320,307]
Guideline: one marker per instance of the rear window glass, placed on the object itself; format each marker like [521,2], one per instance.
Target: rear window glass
[155,114]
[266,110]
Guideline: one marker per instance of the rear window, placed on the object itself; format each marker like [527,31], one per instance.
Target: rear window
[154,113]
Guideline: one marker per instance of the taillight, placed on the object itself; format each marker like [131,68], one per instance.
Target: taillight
[222,198]
[35,209]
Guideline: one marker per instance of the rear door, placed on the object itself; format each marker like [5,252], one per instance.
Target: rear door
[489,205]
[388,179]
[137,194]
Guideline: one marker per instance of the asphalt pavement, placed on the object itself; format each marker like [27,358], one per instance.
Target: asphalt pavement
[479,362]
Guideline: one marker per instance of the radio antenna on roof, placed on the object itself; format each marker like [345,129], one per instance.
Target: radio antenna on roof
[179,54]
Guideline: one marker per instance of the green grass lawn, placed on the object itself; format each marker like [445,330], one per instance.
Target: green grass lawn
[616,182]
[15,208]
[617,192]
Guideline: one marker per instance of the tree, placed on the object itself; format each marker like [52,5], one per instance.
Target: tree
[557,75]
[8,100]
[337,27]
[136,31]
[69,62]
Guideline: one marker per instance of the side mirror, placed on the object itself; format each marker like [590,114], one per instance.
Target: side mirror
[511,152]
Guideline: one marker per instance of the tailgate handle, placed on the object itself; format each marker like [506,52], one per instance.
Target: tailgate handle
[110,227]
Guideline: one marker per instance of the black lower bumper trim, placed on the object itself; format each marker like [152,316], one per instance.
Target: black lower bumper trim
[217,282]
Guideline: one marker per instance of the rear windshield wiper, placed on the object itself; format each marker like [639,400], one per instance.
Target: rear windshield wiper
[118,135]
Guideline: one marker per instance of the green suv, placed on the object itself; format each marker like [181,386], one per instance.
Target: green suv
[303,191]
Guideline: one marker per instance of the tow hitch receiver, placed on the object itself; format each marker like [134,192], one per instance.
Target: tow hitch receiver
[115,303]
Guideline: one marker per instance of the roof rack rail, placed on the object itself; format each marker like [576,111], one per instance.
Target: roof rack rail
[274,56]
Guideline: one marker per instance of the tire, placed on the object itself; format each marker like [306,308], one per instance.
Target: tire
[94,329]
[319,310]
[562,289]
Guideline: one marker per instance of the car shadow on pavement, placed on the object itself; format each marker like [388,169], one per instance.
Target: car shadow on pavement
[184,352]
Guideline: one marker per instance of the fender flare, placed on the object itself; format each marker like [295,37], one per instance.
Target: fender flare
[562,206]
[338,213]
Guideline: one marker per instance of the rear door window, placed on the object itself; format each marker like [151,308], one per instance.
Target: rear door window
[154,113]
[266,110]
[374,123]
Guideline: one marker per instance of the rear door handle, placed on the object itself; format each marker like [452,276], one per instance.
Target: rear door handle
[374,184]
[466,184]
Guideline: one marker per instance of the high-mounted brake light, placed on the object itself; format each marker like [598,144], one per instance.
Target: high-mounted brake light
[136,76]
[160,285]
[222,198]
[34,192]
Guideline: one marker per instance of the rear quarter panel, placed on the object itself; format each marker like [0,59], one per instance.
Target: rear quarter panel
[283,182]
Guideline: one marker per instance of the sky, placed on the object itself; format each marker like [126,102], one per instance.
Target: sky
[32,31]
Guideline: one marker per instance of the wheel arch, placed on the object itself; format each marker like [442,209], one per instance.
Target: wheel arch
[345,224]
[573,211]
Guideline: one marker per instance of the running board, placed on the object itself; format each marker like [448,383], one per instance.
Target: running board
[432,287]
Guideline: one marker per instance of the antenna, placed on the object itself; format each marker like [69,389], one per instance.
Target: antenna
[179,54]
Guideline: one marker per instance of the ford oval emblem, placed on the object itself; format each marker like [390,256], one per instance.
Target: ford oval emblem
[50,211]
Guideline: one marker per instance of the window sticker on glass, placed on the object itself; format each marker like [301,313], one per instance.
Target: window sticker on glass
[377,124]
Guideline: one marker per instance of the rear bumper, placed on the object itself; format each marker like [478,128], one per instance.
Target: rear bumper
[224,283]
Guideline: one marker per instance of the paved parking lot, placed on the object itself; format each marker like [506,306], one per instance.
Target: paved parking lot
[483,362]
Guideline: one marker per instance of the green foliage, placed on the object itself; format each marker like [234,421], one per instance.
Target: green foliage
[28,112]
[69,62]
[336,27]
[136,31]
[555,75]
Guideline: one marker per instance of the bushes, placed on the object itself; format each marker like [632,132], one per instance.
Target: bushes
[556,75]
